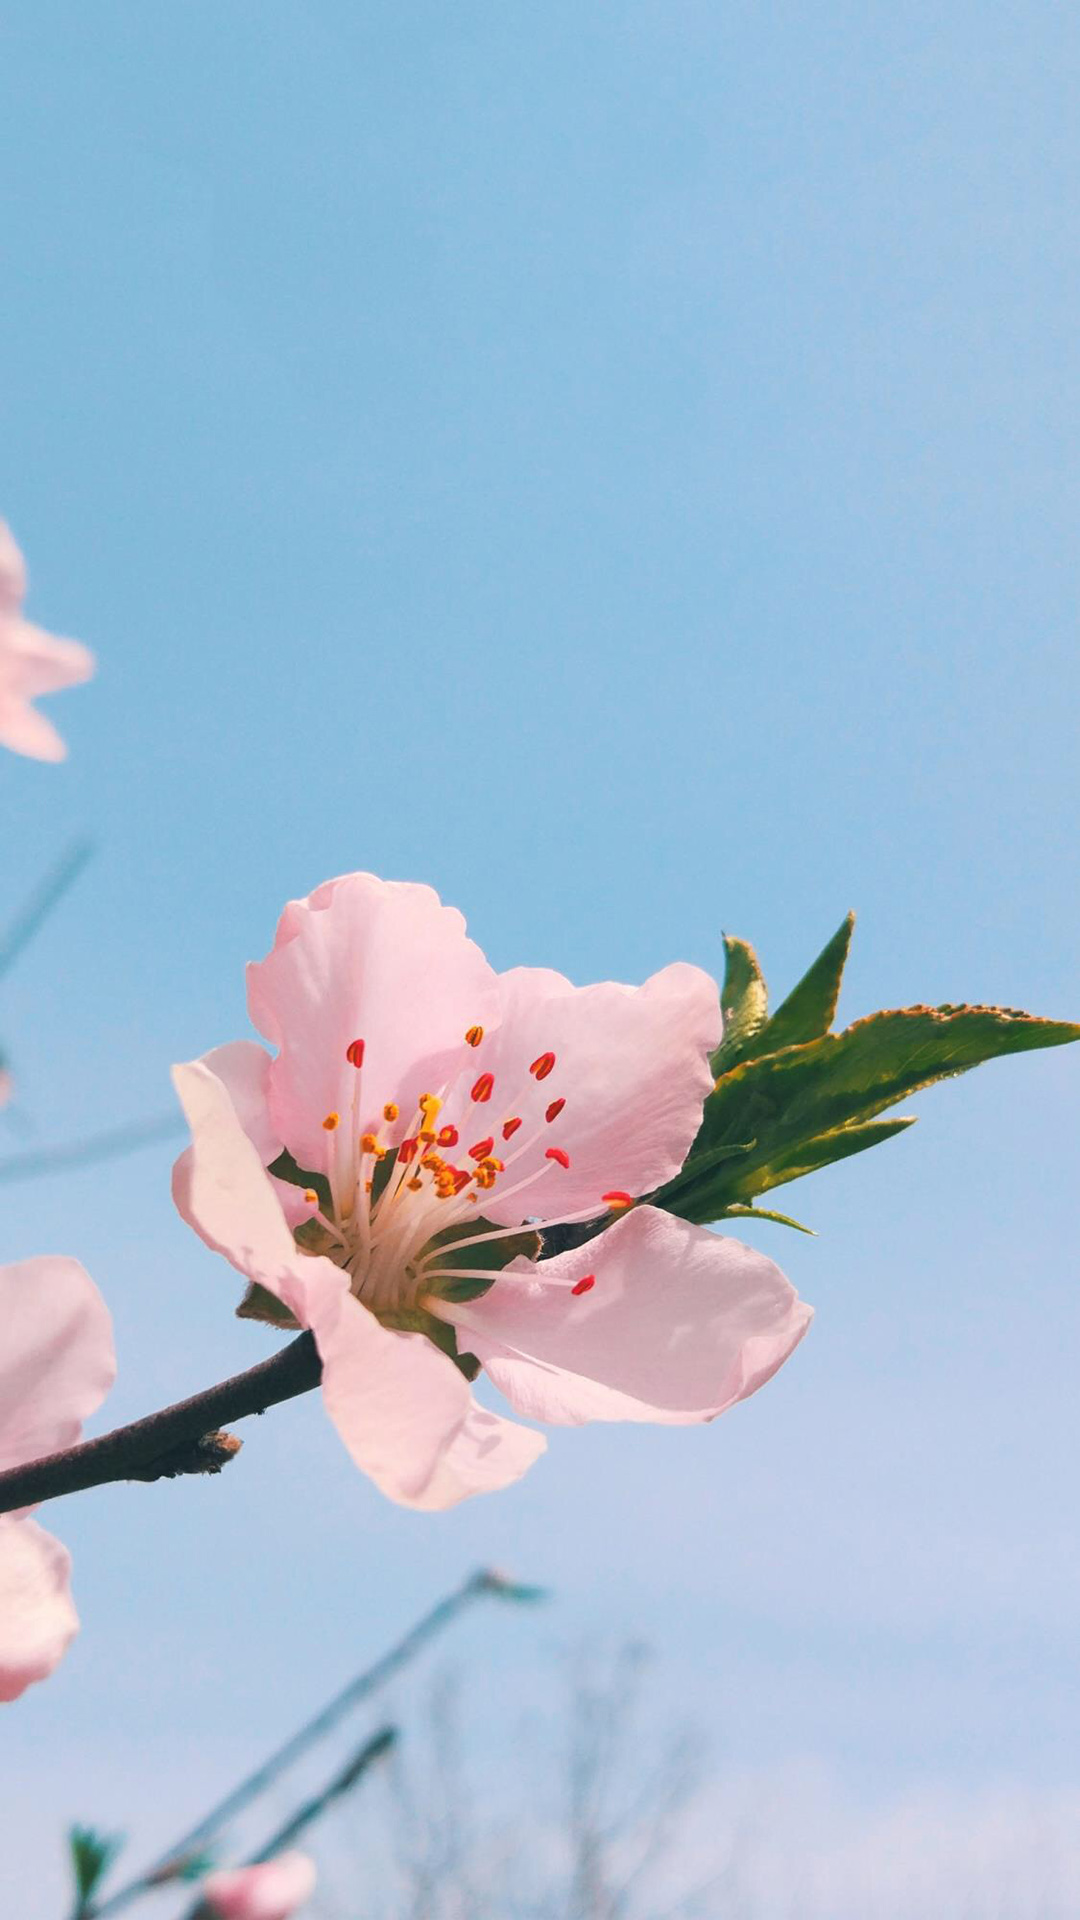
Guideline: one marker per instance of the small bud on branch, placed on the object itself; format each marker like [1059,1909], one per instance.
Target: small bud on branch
[184,1438]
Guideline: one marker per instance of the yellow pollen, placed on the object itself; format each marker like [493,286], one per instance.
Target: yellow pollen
[429,1106]
[433,1162]
[368,1184]
[368,1143]
[311,1196]
[474,1036]
[332,1121]
[414,1185]
[427,1135]
[390,1112]
[491,1165]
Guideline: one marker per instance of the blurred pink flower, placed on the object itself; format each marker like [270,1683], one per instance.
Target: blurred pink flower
[56,1366]
[420,1093]
[32,662]
[271,1891]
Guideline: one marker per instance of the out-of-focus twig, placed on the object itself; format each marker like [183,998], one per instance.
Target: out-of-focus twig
[485,1582]
[96,1146]
[46,895]
[343,1782]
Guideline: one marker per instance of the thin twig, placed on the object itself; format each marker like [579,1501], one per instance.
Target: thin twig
[95,1147]
[349,1776]
[157,1441]
[46,895]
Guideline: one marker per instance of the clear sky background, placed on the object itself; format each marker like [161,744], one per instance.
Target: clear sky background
[618,464]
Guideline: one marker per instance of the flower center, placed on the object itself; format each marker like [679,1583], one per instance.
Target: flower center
[403,1200]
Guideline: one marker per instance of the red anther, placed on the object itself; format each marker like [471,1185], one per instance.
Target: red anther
[448,1136]
[483,1087]
[481,1149]
[510,1127]
[461,1179]
[554,1110]
[542,1066]
[587,1280]
[474,1036]
[617,1199]
[407,1150]
[354,1053]
[556,1153]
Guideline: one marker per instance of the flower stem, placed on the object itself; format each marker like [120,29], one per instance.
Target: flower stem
[168,1442]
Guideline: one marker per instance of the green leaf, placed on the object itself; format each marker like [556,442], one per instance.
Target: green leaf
[695,1170]
[259,1303]
[810,1007]
[92,1854]
[793,1104]
[744,1000]
[736,1212]
[811,1155]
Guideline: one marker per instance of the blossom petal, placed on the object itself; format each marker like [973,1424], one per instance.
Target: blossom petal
[37,662]
[57,1360]
[406,1414]
[31,662]
[630,1072]
[243,1067]
[222,1189]
[678,1324]
[24,730]
[272,1890]
[12,572]
[37,1618]
[366,959]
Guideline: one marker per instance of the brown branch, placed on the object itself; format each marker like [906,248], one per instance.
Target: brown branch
[167,1443]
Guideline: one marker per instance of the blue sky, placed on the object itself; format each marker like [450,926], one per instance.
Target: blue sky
[618,465]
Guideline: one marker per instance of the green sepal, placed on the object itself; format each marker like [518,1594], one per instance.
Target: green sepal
[259,1303]
[744,1002]
[189,1866]
[518,1592]
[380,1179]
[492,1255]
[312,1237]
[194,1865]
[738,1212]
[439,1332]
[285,1168]
[459,1291]
[810,1007]
[91,1854]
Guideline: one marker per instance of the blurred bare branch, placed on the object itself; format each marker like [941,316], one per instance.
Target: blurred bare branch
[48,894]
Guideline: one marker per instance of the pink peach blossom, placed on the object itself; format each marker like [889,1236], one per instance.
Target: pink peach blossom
[32,662]
[270,1891]
[56,1366]
[423,1097]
